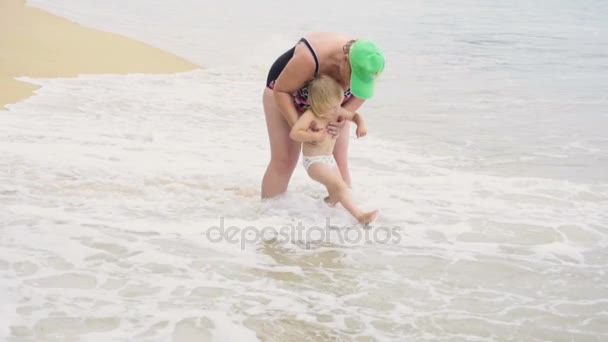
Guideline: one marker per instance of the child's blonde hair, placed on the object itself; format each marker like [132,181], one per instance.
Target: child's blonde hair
[324,93]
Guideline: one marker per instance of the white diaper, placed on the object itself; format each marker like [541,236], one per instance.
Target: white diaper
[327,159]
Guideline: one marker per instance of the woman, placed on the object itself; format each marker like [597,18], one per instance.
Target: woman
[354,64]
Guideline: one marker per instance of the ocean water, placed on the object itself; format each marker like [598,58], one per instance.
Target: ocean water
[487,156]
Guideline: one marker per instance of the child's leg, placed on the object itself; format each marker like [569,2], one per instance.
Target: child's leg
[325,175]
[338,191]
[331,201]
[342,194]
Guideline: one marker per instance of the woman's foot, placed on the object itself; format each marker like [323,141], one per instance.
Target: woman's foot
[368,217]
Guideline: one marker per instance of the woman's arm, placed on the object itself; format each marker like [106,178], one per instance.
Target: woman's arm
[285,103]
[299,70]
[334,128]
[353,104]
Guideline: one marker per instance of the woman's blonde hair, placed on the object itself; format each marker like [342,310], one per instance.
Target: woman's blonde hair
[324,93]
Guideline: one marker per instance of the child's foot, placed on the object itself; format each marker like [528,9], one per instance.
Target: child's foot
[368,217]
[329,201]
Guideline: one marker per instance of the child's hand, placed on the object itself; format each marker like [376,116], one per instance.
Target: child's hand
[361,131]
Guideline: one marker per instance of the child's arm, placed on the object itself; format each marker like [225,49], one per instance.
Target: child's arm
[300,130]
[358,120]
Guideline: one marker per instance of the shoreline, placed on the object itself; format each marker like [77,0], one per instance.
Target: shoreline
[36,43]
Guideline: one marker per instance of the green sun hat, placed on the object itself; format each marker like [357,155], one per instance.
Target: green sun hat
[367,63]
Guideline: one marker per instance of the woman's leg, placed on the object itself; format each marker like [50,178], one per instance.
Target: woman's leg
[341,148]
[284,152]
[341,152]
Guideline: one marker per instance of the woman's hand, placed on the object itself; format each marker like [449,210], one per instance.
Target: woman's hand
[334,128]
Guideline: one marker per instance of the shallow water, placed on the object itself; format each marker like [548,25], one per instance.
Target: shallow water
[486,156]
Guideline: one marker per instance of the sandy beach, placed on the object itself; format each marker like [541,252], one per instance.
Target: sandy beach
[35,43]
